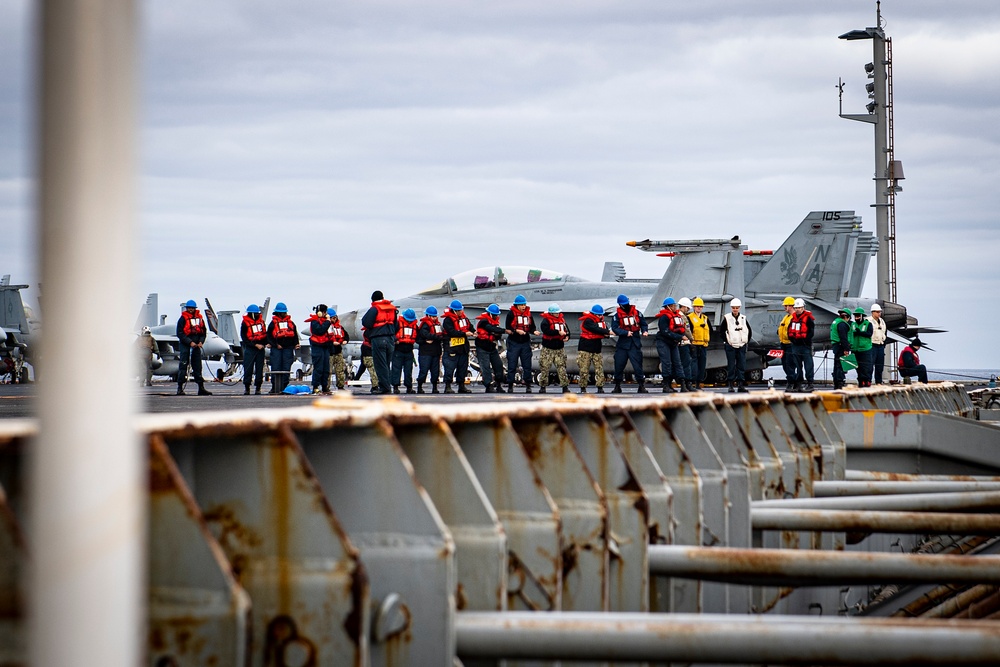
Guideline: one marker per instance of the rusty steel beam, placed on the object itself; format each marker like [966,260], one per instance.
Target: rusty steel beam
[836,488]
[786,567]
[875,476]
[724,639]
[908,502]
[876,522]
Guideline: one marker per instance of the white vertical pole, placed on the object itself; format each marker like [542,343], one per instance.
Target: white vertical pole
[87,504]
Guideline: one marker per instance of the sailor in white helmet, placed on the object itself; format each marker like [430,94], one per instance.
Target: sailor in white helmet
[687,356]
[736,332]
[879,336]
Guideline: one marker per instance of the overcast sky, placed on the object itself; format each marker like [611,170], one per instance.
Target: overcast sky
[318,150]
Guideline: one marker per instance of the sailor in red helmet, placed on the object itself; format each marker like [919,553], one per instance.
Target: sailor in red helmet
[253,336]
[191,334]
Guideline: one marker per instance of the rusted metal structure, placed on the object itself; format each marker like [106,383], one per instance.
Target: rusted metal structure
[694,528]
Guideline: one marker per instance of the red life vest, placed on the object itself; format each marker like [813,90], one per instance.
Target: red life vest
[483,334]
[194,323]
[462,323]
[386,313]
[321,339]
[406,332]
[433,324]
[557,324]
[336,333]
[797,328]
[256,331]
[521,319]
[598,320]
[628,318]
[283,326]
[916,357]
[676,321]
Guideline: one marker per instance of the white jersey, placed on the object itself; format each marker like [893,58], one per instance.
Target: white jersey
[878,331]
[737,332]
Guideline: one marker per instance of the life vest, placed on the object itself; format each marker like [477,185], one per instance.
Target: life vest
[406,332]
[736,333]
[916,357]
[521,319]
[878,331]
[283,326]
[194,323]
[461,324]
[783,336]
[256,331]
[432,324]
[316,339]
[628,318]
[483,334]
[835,334]
[386,313]
[798,328]
[558,326]
[699,333]
[861,343]
[676,321]
[336,333]
[596,319]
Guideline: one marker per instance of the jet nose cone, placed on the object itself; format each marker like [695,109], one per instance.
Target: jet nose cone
[215,346]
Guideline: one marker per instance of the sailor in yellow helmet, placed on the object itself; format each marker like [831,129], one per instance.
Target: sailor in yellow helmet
[787,361]
[700,334]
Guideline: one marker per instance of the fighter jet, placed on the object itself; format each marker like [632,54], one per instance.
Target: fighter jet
[19,330]
[167,360]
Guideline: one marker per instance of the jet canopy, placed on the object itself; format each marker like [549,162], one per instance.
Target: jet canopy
[489,277]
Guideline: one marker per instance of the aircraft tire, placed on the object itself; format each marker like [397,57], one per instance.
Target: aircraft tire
[755,376]
[718,376]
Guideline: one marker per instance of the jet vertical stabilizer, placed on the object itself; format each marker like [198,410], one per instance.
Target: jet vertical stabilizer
[817,260]
[866,249]
[148,313]
[12,315]
[712,270]
[614,272]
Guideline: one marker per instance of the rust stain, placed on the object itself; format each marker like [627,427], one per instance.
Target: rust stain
[353,624]
[461,600]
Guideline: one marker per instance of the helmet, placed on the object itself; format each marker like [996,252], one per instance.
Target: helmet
[191,304]
[916,342]
[493,309]
[409,315]
[554,308]
[735,303]
[253,308]
[431,310]
[519,300]
[859,311]
[455,305]
[698,301]
[669,301]
[331,312]
[280,307]
[686,302]
[597,309]
[876,307]
[799,303]
[145,330]
[789,301]
[844,311]
[622,300]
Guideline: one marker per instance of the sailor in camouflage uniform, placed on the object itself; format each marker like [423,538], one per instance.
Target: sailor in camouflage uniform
[555,333]
[593,331]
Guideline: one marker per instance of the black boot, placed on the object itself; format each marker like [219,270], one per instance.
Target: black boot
[420,388]
[808,388]
[447,388]
[541,390]
[527,389]
[409,389]
[600,390]
[732,387]
[510,387]
[616,390]
[180,390]
[434,388]
[395,389]
[566,390]
[743,388]
[642,389]
[489,389]
[498,388]
[246,390]
[583,390]
[462,389]
[668,386]
[202,391]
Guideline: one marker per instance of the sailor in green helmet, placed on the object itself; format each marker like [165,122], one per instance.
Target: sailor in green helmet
[840,337]
[861,335]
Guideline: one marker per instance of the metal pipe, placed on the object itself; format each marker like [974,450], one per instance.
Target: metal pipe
[908,502]
[961,602]
[725,639]
[874,476]
[789,567]
[86,499]
[875,522]
[829,489]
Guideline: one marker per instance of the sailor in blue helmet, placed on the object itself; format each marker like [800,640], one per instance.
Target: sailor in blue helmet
[402,355]
[319,348]
[630,326]
[593,331]
[520,326]
[488,335]
[429,335]
[380,324]
[555,333]
[253,337]
[457,331]
[671,331]
[191,334]
[283,338]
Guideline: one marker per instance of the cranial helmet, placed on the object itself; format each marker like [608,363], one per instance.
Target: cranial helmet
[519,300]
[859,311]
[799,303]
[145,330]
[735,303]
[597,309]
[876,307]
[431,310]
[554,308]
[669,301]
[280,307]
[686,302]
[455,305]
[409,315]
[789,301]
[493,309]
[331,312]
[191,304]
[622,300]
[253,308]
[698,301]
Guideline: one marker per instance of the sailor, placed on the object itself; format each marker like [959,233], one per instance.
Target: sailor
[457,331]
[670,332]
[519,326]
[700,336]
[687,355]
[146,348]
[787,356]
[191,333]
[338,336]
[283,338]
[402,356]
[593,331]
[380,321]
[879,337]
[488,334]
[253,338]
[555,333]
[800,331]
[736,332]
[630,326]
[909,362]
[861,335]
[319,348]
[429,335]
[840,339]
[367,363]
